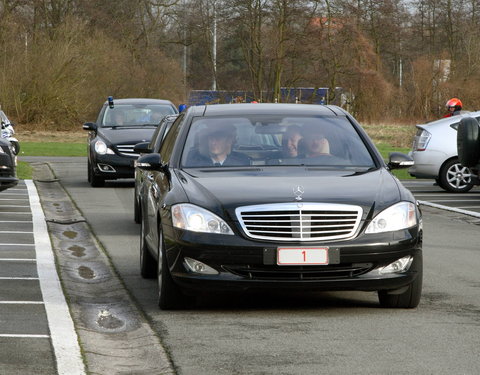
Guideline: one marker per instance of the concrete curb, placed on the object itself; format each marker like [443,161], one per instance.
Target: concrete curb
[114,335]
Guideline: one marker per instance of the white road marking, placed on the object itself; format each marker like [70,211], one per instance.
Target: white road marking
[62,330]
[453,209]
[18,278]
[17,260]
[13,231]
[15,221]
[21,302]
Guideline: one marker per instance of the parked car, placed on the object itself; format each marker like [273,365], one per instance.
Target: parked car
[121,124]
[8,166]
[331,217]
[434,152]
[146,148]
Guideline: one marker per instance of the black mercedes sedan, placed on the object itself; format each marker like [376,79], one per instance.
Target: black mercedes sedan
[277,196]
[121,124]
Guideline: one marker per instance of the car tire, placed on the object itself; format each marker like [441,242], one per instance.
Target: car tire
[409,298]
[94,180]
[169,294]
[148,264]
[468,142]
[455,177]
[136,207]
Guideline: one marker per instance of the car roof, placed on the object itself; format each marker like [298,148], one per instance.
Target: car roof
[450,120]
[140,101]
[267,108]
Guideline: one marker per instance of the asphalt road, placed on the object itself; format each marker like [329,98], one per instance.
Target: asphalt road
[323,333]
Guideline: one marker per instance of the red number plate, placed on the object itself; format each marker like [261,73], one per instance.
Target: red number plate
[300,256]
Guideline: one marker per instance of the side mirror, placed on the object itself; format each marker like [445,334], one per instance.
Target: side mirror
[397,160]
[142,148]
[90,126]
[150,162]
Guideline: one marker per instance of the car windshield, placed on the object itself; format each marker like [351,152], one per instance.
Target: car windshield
[4,118]
[136,114]
[323,141]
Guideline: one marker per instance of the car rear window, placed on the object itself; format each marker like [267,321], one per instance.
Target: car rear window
[277,140]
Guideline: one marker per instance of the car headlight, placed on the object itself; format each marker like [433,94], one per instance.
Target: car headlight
[399,216]
[101,148]
[2,151]
[196,219]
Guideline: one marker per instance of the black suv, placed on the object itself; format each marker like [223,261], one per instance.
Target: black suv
[8,170]
[121,124]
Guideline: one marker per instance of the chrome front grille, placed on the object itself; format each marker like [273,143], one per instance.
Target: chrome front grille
[126,150]
[300,221]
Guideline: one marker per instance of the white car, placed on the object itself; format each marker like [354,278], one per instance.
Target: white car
[435,154]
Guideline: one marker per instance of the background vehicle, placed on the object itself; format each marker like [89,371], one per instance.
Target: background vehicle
[8,132]
[8,162]
[435,154]
[338,220]
[145,148]
[120,125]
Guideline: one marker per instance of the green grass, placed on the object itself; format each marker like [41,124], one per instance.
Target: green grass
[24,170]
[52,149]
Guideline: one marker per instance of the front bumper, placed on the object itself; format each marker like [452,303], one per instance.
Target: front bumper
[111,167]
[245,264]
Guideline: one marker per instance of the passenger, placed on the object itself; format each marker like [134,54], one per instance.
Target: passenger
[219,142]
[315,142]
[155,117]
[290,140]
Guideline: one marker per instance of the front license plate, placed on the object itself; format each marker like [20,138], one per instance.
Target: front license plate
[291,256]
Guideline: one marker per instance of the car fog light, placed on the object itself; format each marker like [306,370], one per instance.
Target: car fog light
[199,267]
[106,168]
[400,265]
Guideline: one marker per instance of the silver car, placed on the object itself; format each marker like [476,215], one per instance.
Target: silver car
[435,154]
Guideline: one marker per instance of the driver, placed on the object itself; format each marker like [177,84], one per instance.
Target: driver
[219,141]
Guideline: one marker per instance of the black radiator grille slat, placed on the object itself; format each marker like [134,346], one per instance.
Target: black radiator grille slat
[300,272]
[300,222]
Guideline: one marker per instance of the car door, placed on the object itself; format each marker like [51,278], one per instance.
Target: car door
[157,184]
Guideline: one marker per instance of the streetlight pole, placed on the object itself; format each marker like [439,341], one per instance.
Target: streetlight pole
[214,47]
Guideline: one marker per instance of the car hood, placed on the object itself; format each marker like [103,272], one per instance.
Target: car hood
[127,135]
[226,190]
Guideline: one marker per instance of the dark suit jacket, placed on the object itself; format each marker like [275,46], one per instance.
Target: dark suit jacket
[197,159]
